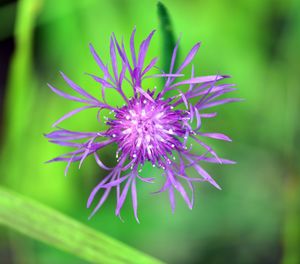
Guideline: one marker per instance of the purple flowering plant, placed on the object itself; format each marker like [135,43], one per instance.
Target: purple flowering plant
[155,126]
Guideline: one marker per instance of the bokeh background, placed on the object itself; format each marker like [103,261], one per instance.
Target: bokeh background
[254,219]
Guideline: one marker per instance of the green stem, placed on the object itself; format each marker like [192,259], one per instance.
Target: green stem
[47,225]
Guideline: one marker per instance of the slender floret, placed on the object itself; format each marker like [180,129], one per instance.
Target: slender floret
[152,125]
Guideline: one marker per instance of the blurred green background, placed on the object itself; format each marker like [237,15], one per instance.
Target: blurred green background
[254,219]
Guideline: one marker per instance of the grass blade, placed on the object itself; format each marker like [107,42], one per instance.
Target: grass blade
[47,225]
[167,34]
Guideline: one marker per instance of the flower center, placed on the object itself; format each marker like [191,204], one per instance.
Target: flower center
[147,130]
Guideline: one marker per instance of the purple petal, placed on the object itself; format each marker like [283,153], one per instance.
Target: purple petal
[192,191]
[174,54]
[217,89]
[100,63]
[192,76]
[122,75]
[219,136]
[185,196]
[184,99]
[150,66]
[66,143]
[98,187]
[67,96]
[99,162]
[165,75]
[102,200]
[113,58]
[166,185]
[199,80]
[134,200]
[66,135]
[139,89]
[206,176]
[189,57]
[208,148]
[173,59]
[214,160]
[67,156]
[143,50]
[123,196]
[132,49]
[171,177]
[210,97]
[85,154]
[77,88]
[100,80]
[73,112]
[147,180]
[208,115]
[68,166]
[192,113]
[172,199]
[122,54]
[198,117]
[219,102]
[115,182]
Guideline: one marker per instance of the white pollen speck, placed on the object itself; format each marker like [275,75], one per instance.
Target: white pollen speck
[140,170]
[114,135]
[133,113]
[126,131]
[139,142]
[153,165]
[127,117]
[145,101]
[172,107]
[143,112]
[134,155]
[173,146]
[159,115]
[171,131]
[174,158]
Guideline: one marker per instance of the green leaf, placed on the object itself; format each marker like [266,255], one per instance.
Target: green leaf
[167,34]
[47,225]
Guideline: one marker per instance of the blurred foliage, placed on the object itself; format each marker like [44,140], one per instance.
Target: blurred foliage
[255,218]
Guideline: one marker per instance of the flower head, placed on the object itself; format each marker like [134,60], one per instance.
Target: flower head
[150,127]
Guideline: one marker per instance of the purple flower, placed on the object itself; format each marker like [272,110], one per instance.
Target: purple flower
[151,126]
